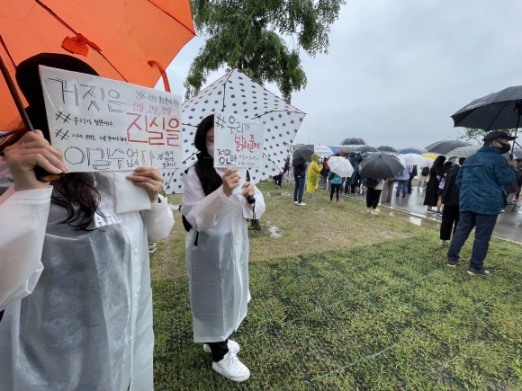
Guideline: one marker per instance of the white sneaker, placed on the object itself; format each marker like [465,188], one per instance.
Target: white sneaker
[231,368]
[233,346]
[295,202]
[301,204]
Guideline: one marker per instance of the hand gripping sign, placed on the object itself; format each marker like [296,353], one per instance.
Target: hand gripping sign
[238,142]
[105,125]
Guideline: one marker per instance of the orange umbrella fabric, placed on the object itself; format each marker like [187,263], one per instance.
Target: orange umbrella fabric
[130,40]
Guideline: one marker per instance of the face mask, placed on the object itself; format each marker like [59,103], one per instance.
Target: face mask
[210,150]
[505,148]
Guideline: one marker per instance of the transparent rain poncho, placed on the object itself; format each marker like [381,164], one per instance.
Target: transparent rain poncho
[217,263]
[78,304]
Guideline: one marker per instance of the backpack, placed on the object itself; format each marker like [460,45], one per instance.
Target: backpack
[425,171]
[371,183]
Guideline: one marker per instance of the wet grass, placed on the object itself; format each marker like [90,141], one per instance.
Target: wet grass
[376,310]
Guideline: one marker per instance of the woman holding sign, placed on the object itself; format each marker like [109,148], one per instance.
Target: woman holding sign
[217,252]
[74,273]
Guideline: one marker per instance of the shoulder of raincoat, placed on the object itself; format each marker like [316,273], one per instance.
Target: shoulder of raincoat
[85,293]
[217,263]
[481,179]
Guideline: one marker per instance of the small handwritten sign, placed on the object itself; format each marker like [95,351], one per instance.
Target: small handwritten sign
[105,125]
[238,142]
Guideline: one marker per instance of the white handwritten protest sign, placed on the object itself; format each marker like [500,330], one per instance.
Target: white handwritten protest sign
[105,125]
[238,142]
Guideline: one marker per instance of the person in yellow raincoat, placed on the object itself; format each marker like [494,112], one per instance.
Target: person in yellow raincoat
[314,169]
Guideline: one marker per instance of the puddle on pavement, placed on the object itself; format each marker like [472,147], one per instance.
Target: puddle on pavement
[433,224]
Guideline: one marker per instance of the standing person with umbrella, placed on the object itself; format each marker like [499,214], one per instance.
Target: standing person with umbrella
[335,185]
[299,169]
[481,198]
[432,198]
[380,165]
[373,194]
[314,169]
[217,252]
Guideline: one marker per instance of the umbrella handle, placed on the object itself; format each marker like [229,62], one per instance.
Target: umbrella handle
[41,174]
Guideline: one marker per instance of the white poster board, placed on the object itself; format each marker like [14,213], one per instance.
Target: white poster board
[238,142]
[105,125]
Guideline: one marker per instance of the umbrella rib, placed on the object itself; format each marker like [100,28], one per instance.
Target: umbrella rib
[74,31]
[172,17]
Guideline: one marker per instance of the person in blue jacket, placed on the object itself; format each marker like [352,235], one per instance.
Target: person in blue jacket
[481,180]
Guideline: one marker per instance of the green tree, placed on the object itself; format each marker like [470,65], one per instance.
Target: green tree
[470,134]
[250,35]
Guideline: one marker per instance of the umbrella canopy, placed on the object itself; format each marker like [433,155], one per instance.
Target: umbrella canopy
[125,41]
[348,148]
[498,110]
[444,146]
[410,150]
[366,148]
[302,154]
[428,162]
[464,151]
[432,156]
[412,159]
[381,165]
[341,166]
[386,148]
[322,150]
[353,141]
[236,93]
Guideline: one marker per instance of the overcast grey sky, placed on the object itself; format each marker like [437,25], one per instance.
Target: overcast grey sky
[397,69]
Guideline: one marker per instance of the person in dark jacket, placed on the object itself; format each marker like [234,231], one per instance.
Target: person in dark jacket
[413,174]
[300,178]
[481,198]
[450,199]
[431,198]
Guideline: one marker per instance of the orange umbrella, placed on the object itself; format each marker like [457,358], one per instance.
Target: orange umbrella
[130,40]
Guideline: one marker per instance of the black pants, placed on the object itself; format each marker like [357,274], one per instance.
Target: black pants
[219,349]
[372,198]
[334,188]
[278,179]
[409,185]
[450,216]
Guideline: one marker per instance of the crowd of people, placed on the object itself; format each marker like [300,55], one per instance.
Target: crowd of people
[467,193]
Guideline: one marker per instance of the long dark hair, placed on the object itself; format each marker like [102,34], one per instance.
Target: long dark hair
[76,193]
[209,178]
[438,165]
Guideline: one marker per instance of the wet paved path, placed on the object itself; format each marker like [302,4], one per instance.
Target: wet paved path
[509,223]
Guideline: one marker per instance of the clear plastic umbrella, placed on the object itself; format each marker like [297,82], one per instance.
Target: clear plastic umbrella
[341,166]
[463,151]
[412,159]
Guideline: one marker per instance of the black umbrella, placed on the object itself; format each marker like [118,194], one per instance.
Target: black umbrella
[498,110]
[386,148]
[302,154]
[353,141]
[366,148]
[381,165]
[445,146]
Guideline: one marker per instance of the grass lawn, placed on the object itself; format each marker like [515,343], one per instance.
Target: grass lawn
[342,300]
